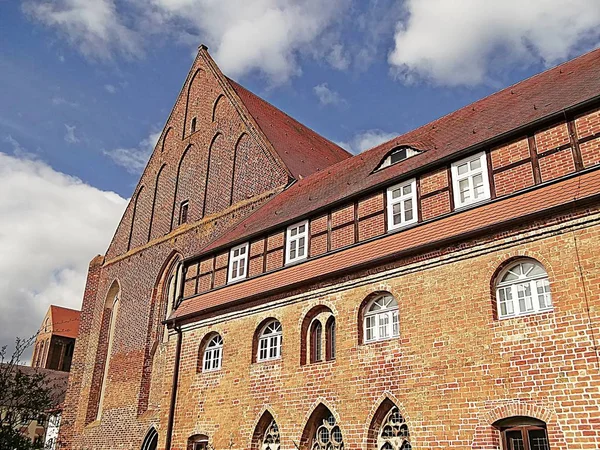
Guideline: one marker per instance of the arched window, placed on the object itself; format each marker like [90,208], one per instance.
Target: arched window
[330,339]
[328,435]
[520,433]
[269,342]
[271,437]
[316,341]
[381,318]
[151,440]
[113,312]
[393,434]
[523,288]
[173,292]
[198,442]
[213,354]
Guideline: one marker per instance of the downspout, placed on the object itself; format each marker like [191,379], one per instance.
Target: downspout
[174,389]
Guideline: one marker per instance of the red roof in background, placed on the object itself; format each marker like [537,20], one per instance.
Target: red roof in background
[303,151]
[537,97]
[65,321]
[391,246]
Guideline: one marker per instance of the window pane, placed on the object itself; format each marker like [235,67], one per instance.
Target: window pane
[395,324]
[242,250]
[478,186]
[463,168]
[506,303]
[396,193]
[370,327]
[515,440]
[543,293]
[524,295]
[294,232]
[302,228]
[384,325]
[476,164]
[406,189]
[538,440]
[463,188]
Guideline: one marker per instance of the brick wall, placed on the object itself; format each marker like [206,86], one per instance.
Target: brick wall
[454,370]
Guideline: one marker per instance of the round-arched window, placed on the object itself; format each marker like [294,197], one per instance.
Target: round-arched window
[523,288]
[381,318]
[213,354]
[269,342]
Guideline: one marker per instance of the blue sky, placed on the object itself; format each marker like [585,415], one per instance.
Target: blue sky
[83,82]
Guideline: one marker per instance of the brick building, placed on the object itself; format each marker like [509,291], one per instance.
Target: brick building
[55,340]
[267,290]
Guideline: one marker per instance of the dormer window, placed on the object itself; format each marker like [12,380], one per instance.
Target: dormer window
[398,154]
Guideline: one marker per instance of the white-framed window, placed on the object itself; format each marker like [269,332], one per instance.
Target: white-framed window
[381,319]
[470,181]
[296,242]
[398,154]
[238,262]
[523,288]
[213,354]
[402,204]
[269,341]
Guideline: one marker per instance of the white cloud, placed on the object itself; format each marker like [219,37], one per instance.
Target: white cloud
[95,27]
[338,57]
[111,89]
[266,36]
[58,101]
[326,96]
[70,137]
[462,43]
[366,140]
[134,159]
[52,226]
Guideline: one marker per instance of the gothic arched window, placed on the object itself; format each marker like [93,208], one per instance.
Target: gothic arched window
[381,318]
[328,436]
[316,341]
[523,288]
[393,434]
[271,437]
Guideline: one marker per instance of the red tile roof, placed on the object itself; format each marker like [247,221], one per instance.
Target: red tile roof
[65,321]
[534,99]
[303,151]
[393,246]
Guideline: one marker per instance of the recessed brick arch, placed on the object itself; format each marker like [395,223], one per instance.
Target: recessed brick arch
[262,421]
[221,98]
[190,109]
[258,331]
[377,415]
[318,413]
[309,316]
[361,312]
[220,173]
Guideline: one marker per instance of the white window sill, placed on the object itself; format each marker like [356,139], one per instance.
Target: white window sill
[526,314]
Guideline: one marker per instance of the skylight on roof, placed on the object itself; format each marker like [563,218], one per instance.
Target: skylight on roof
[398,154]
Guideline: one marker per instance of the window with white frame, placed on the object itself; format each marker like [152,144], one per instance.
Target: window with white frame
[402,204]
[296,242]
[470,180]
[523,288]
[269,341]
[213,354]
[381,318]
[238,262]
[398,154]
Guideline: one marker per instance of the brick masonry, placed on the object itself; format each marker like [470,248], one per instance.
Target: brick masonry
[454,370]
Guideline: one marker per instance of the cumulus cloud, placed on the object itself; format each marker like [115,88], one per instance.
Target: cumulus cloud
[111,89]
[70,137]
[134,159]
[52,226]
[245,35]
[366,140]
[95,27]
[462,43]
[326,96]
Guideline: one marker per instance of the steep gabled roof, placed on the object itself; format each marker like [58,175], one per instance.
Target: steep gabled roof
[65,321]
[302,150]
[522,104]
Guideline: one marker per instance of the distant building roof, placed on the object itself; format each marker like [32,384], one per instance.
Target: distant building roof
[65,321]
[56,380]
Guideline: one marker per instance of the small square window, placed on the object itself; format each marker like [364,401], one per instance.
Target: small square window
[193,124]
[238,262]
[470,180]
[402,204]
[296,243]
[183,212]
